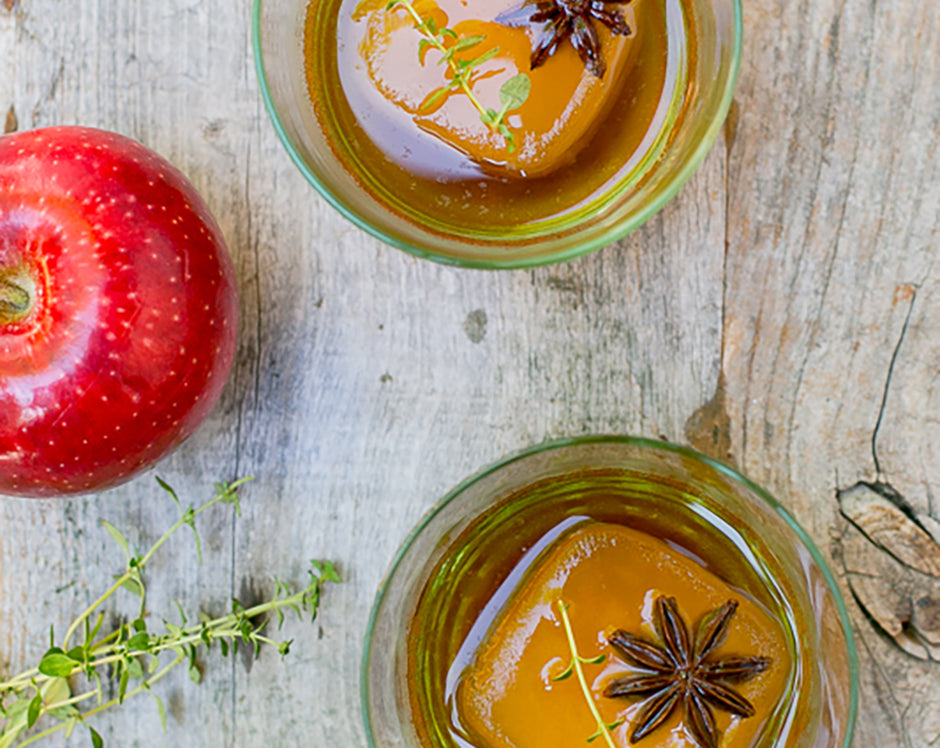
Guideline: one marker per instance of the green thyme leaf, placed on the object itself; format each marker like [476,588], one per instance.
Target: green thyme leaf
[133,585]
[56,664]
[139,641]
[467,42]
[118,537]
[170,491]
[514,92]
[32,712]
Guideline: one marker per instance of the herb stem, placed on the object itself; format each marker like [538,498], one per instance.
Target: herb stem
[125,656]
[134,572]
[189,516]
[220,628]
[458,73]
[93,607]
[576,660]
[144,686]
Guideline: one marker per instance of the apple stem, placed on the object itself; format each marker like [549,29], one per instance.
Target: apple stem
[15,302]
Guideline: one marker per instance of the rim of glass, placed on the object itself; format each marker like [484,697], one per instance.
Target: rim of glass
[609,236]
[633,441]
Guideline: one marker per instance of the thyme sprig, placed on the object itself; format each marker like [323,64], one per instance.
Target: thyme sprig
[129,656]
[512,94]
[575,666]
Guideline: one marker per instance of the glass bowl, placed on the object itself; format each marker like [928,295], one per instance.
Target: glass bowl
[684,129]
[420,610]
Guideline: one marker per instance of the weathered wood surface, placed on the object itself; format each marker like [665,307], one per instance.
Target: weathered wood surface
[782,313]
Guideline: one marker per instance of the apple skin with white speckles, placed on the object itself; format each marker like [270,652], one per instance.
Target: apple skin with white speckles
[118,310]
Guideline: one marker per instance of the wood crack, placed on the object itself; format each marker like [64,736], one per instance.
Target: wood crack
[887,387]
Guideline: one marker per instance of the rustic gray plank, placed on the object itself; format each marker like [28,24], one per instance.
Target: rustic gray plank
[831,346]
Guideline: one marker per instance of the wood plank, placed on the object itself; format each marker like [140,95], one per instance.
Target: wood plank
[834,186]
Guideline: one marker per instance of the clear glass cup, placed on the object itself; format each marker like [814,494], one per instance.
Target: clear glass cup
[687,130]
[655,478]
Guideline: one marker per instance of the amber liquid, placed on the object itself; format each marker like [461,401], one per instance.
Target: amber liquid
[469,587]
[430,183]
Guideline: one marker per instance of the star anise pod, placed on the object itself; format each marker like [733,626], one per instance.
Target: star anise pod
[568,19]
[684,673]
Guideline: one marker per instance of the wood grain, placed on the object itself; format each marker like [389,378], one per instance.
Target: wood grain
[781,313]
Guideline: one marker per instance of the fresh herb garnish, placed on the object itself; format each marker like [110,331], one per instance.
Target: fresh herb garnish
[682,671]
[574,666]
[512,94]
[128,657]
[568,19]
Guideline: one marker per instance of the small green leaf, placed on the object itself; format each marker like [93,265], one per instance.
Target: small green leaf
[194,675]
[64,713]
[593,660]
[514,92]
[122,686]
[228,493]
[438,95]
[135,669]
[118,536]
[56,690]
[77,654]
[169,490]
[139,641]
[446,57]
[35,707]
[160,709]
[133,585]
[326,570]
[17,709]
[485,57]
[188,518]
[56,664]
[449,32]
[96,740]
[564,674]
[97,627]
[467,42]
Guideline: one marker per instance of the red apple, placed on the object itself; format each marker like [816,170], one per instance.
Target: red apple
[118,310]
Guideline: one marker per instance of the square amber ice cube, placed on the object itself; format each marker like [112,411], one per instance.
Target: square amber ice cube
[608,575]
